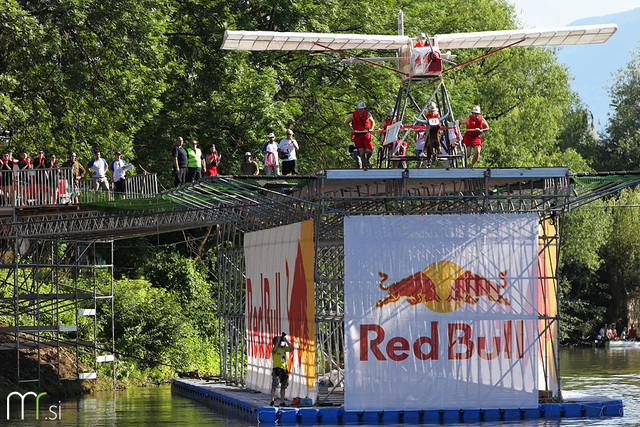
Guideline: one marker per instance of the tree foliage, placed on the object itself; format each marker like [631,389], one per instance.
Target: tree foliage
[132,76]
[622,142]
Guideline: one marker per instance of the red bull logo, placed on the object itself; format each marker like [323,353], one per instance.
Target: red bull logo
[443,287]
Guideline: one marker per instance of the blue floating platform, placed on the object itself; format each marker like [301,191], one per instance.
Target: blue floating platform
[254,406]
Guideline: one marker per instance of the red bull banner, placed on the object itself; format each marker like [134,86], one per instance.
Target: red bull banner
[280,298]
[441,312]
[548,308]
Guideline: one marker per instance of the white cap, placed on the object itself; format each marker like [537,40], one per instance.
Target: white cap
[361,104]
[476,109]
[272,135]
[247,154]
[421,35]
[432,107]
[391,112]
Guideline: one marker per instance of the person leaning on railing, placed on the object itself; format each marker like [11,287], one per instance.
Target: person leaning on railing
[53,179]
[6,169]
[118,170]
[76,167]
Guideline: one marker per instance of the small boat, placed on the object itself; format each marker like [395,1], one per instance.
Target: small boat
[623,344]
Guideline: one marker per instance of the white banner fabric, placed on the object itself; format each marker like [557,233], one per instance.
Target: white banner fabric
[441,312]
[280,298]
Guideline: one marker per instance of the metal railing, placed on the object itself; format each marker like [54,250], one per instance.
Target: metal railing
[43,187]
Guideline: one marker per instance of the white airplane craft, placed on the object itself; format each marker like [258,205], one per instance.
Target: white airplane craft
[418,63]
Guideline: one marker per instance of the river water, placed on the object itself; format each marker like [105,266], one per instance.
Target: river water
[601,372]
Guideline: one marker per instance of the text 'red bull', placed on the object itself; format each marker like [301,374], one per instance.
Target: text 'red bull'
[460,343]
[265,319]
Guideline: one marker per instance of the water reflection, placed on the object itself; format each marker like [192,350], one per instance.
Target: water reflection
[602,372]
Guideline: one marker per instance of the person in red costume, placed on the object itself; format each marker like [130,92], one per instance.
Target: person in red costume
[472,139]
[362,123]
[385,150]
[422,40]
[432,140]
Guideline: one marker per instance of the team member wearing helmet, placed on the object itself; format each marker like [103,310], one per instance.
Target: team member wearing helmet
[472,139]
[422,40]
[362,123]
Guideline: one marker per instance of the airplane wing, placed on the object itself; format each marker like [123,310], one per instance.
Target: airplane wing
[272,40]
[584,34]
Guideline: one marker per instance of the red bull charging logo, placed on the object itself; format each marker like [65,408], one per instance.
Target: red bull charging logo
[443,287]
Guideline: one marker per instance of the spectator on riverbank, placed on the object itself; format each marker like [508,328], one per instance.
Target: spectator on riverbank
[76,167]
[248,166]
[180,161]
[632,333]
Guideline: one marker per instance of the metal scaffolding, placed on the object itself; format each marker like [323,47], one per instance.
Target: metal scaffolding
[56,262]
[339,193]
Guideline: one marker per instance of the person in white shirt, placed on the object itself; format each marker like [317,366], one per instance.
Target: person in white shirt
[98,169]
[270,152]
[118,170]
[289,146]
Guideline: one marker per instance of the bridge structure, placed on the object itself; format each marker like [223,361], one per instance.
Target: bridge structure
[56,260]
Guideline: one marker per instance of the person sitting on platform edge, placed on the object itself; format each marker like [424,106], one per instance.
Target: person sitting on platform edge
[632,333]
[248,166]
[362,123]
[279,373]
[472,139]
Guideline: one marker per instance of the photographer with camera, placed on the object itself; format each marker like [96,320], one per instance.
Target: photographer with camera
[280,373]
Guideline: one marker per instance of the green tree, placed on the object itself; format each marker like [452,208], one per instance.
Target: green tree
[77,75]
[584,296]
[621,269]
[622,141]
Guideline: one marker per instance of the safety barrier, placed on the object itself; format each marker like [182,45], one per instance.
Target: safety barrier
[42,187]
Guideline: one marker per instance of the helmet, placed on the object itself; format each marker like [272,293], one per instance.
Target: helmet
[476,109]
[361,105]
[391,112]
[421,35]
[432,107]
[247,154]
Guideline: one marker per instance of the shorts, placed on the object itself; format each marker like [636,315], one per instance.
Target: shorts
[290,166]
[470,140]
[363,140]
[279,377]
[120,185]
[101,184]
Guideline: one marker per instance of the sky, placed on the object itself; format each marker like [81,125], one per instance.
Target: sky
[558,13]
